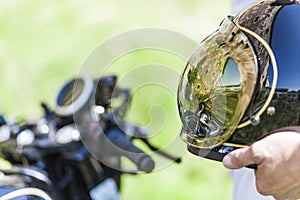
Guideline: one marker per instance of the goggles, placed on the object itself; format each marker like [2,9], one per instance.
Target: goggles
[228,82]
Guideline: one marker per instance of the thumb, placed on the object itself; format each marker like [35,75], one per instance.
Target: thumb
[239,158]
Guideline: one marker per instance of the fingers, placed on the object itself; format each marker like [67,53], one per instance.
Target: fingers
[240,158]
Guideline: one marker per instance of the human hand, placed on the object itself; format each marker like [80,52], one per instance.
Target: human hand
[278,164]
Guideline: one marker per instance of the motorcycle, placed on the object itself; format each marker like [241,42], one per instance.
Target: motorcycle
[76,150]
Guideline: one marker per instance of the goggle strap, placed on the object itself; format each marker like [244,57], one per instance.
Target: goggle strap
[275,72]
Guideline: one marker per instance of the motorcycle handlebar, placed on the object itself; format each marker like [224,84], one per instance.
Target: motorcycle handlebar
[126,148]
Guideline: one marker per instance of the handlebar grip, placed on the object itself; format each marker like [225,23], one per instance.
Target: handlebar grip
[126,148]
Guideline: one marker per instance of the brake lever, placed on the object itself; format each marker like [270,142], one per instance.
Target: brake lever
[160,152]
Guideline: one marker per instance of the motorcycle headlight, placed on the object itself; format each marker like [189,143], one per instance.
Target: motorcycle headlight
[74,95]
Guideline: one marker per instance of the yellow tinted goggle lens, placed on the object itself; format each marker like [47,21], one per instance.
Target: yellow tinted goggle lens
[217,86]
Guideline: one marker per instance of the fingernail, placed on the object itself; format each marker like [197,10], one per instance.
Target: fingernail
[227,161]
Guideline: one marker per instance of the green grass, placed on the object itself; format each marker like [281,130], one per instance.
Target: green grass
[194,178]
[44,43]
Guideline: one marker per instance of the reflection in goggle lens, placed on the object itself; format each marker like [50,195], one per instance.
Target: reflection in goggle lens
[214,94]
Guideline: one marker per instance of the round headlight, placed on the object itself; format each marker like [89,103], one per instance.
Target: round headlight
[74,95]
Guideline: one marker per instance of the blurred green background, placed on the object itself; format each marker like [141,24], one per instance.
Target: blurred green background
[44,43]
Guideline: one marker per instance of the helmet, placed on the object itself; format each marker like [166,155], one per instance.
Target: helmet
[243,80]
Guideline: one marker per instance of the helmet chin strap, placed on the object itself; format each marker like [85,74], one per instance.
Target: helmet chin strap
[275,73]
